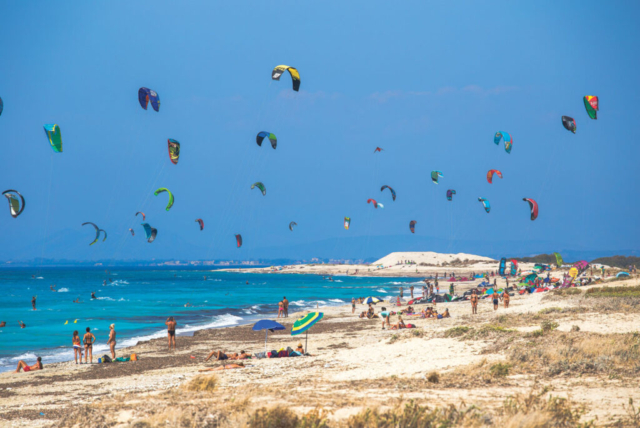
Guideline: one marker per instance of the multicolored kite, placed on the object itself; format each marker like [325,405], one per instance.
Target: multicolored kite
[591,104]
[145,95]
[533,205]
[54,136]
[295,76]
[508,141]
[174,151]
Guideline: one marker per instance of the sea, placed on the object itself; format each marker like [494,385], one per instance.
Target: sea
[139,301]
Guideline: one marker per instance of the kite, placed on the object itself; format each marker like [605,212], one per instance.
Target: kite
[412,226]
[508,141]
[347,222]
[393,192]
[293,223]
[54,136]
[97,231]
[174,151]
[435,175]
[491,173]
[450,194]
[150,232]
[260,186]
[580,266]
[162,190]
[16,207]
[140,212]
[534,208]
[1,106]
[569,124]
[514,267]
[295,76]
[145,95]
[503,266]
[590,103]
[559,261]
[487,206]
[239,240]
[199,220]
[378,149]
[132,232]
[261,136]
[105,234]
[375,204]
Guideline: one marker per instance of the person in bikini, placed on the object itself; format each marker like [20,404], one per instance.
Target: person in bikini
[505,299]
[399,325]
[112,340]
[224,367]
[474,302]
[280,309]
[27,368]
[171,332]
[88,339]
[77,347]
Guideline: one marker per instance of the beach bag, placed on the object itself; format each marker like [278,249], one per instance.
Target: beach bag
[283,353]
[133,357]
[411,326]
[272,354]
[439,316]
[106,359]
[261,355]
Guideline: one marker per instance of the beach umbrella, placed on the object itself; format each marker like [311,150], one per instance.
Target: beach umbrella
[622,274]
[304,324]
[267,326]
[373,300]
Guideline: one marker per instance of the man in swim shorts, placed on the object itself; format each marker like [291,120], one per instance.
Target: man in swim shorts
[171,332]
[220,356]
[495,300]
[33,302]
[26,368]
[285,304]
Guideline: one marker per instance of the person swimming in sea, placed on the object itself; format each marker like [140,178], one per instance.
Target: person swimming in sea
[77,300]
[3,324]
[93,295]
[22,325]
[52,287]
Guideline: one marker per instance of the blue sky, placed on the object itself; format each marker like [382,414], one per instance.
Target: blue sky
[429,82]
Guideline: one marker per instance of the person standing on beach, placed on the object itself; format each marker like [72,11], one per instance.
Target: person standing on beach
[495,300]
[474,302]
[401,292]
[280,309]
[285,304]
[33,302]
[112,340]
[353,305]
[505,298]
[411,290]
[77,348]
[88,339]
[171,332]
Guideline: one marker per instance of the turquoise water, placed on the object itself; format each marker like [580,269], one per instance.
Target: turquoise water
[139,302]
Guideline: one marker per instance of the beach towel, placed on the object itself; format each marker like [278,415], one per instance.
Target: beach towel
[123,359]
[411,326]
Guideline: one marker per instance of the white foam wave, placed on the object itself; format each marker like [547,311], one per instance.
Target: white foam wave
[63,290]
[382,290]
[298,303]
[336,300]
[39,277]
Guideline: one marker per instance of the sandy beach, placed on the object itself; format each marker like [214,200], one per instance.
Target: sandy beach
[423,264]
[563,343]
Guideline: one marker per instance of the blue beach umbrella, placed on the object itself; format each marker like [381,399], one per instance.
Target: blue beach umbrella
[373,300]
[267,326]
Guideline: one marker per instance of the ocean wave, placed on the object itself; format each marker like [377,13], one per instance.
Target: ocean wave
[63,290]
[111,299]
[39,277]
[382,290]
[336,300]
[298,303]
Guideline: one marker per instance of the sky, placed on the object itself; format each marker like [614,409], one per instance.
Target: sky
[429,82]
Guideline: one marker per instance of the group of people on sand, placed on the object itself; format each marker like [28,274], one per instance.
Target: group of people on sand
[385,315]
[496,299]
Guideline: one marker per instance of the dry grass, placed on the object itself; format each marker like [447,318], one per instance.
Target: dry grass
[203,384]
[575,354]
[614,292]
[282,417]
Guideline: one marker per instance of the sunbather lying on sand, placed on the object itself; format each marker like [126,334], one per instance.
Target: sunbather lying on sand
[399,325]
[220,355]
[225,367]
